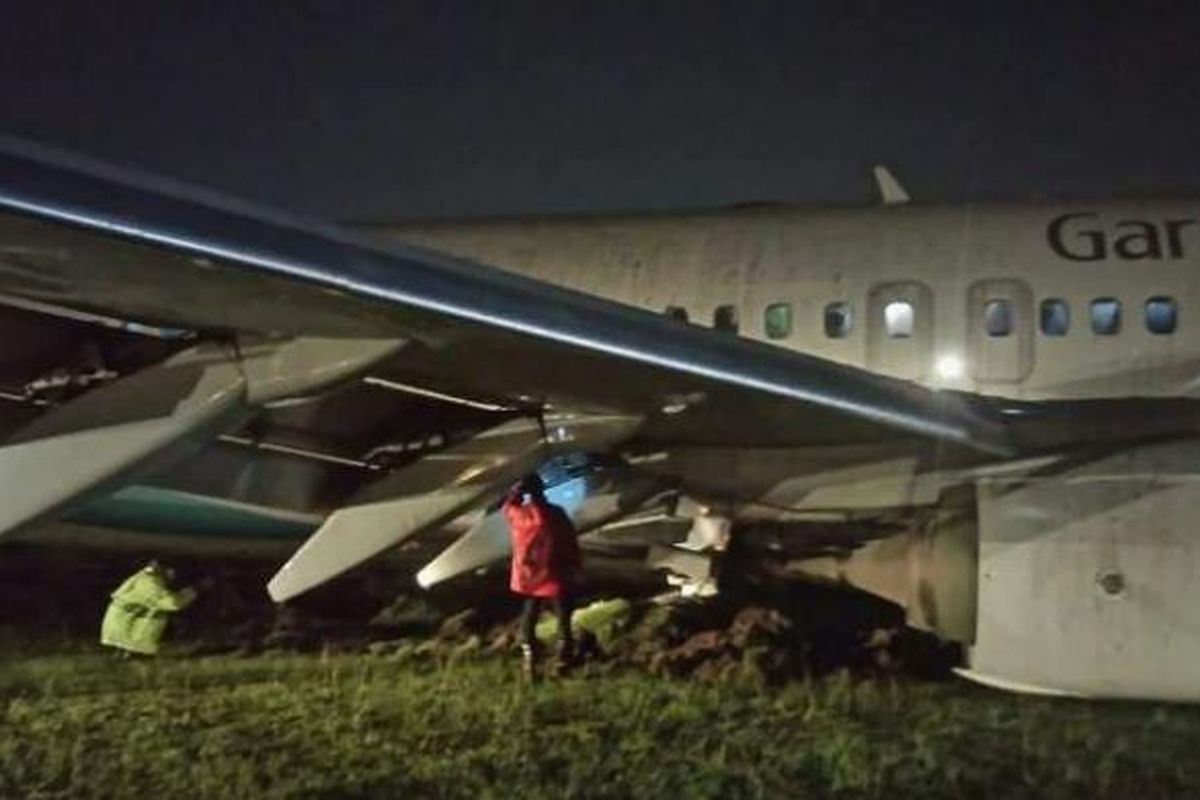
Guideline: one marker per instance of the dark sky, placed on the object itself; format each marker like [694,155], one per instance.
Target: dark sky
[361,111]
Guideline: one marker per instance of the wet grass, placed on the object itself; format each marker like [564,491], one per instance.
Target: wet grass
[85,725]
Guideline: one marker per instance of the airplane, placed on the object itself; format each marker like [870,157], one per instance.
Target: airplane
[984,414]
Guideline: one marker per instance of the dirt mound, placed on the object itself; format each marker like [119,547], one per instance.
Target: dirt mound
[760,638]
[770,633]
[721,638]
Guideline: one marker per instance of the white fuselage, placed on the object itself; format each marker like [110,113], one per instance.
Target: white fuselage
[950,265]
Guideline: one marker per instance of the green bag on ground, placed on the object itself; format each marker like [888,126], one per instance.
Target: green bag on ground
[604,619]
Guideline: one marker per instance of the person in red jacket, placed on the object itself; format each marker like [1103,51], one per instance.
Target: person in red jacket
[545,567]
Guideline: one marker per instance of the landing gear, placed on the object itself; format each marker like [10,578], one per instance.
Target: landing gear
[692,565]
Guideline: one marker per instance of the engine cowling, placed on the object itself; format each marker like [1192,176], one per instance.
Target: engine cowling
[1079,580]
[1088,578]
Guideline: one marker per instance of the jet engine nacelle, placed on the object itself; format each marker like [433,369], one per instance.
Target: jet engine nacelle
[1088,578]
[1083,581]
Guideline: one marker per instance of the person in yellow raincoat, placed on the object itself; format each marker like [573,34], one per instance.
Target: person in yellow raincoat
[140,608]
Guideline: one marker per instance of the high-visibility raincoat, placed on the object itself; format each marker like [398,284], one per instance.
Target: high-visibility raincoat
[137,615]
[545,555]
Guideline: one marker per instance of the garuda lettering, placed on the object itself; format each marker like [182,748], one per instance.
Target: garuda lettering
[1080,236]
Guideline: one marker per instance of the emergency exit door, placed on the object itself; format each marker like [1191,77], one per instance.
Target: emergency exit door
[900,329]
[1000,326]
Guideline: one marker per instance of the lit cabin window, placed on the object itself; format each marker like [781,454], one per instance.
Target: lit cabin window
[997,317]
[1161,315]
[1106,316]
[1055,317]
[838,320]
[777,320]
[677,313]
[898,319]
[725,318]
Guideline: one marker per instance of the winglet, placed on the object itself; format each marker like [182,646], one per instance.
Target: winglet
[890,190]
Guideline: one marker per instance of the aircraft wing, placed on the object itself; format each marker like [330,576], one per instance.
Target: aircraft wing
[84,236]
[261,310]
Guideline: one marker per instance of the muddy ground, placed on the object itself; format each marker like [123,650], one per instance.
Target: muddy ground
[775,633]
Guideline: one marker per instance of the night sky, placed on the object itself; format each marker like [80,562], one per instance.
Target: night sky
[398,111]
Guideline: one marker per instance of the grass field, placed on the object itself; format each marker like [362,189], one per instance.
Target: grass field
[86,725]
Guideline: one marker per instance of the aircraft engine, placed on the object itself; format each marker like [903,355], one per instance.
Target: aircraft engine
[930,571]
[1088,578]
[1078,580]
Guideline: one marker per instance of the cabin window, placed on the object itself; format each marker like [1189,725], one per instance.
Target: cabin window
[677,313]
[898,319]
[1055,317]
[725,318]
[1161,315]
[998,317]
[1106,316]
[838,320]
[777,320]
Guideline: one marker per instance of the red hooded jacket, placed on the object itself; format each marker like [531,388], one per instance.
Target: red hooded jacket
[545,555]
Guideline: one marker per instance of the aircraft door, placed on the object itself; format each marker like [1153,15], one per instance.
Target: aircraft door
[1000,326]
[900,329]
